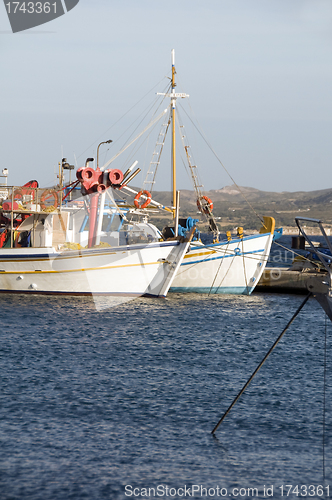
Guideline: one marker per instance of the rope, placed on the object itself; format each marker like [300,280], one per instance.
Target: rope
[324,394]
[244,268]
[194,174]
[225,253]
[135,139]
[147,112]
[318,264]
[139,145]
[223,166]
[222,260]
[223,279]
[261,363]
[225,276]
[157,84]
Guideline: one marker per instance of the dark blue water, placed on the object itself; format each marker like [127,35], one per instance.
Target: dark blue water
[94,402]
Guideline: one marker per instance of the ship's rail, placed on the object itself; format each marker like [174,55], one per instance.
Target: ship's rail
[17,203]
[35,217]
[26,199]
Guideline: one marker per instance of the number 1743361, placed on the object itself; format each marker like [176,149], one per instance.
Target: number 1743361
[31,7]
[303,490]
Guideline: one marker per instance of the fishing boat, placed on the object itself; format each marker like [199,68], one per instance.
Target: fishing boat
[231,265]
[234,266]
[50,244]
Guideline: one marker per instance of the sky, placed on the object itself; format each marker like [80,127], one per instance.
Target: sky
[258,72]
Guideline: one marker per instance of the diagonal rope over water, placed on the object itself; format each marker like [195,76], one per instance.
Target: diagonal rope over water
[324,394]
[261,363]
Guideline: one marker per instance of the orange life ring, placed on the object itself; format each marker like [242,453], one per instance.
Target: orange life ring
[208,206]
[137,197]
[46,195]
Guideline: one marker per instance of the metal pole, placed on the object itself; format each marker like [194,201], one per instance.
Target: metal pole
[98,153]
[94,199]
[60,176]
[173,102]
[177,209]
[12,220]
[261,363]
[105,142]
[100,217]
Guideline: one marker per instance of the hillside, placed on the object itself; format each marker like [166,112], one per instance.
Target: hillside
[234,208]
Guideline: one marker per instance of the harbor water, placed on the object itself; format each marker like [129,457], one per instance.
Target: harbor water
[121,403]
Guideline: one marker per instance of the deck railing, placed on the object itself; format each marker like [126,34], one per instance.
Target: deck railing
[17,203]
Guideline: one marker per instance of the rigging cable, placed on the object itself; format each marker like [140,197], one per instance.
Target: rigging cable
[133,140]
[198,185]
[139,145]
[223,254]
[153,170]
[223,166]
[200,131]
[147,111]
[94,142]
[151,123]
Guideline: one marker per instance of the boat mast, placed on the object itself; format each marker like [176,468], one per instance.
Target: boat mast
[173,103]
[173,95]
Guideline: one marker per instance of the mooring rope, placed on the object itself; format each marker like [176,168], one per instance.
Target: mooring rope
[324,393]
[244,268]
[221,261]
[317,263]
[261,363]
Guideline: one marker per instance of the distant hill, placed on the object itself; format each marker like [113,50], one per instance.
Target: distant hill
[234,206]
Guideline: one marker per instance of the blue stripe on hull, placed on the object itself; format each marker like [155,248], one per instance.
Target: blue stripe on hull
[236,290]
[208,259]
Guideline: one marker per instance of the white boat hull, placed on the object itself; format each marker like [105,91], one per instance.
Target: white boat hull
[123,271]
[233,267]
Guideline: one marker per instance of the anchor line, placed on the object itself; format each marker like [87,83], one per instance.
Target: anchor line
[244,268]
[215,277]
[261,363]
[223,279]
[324,394]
